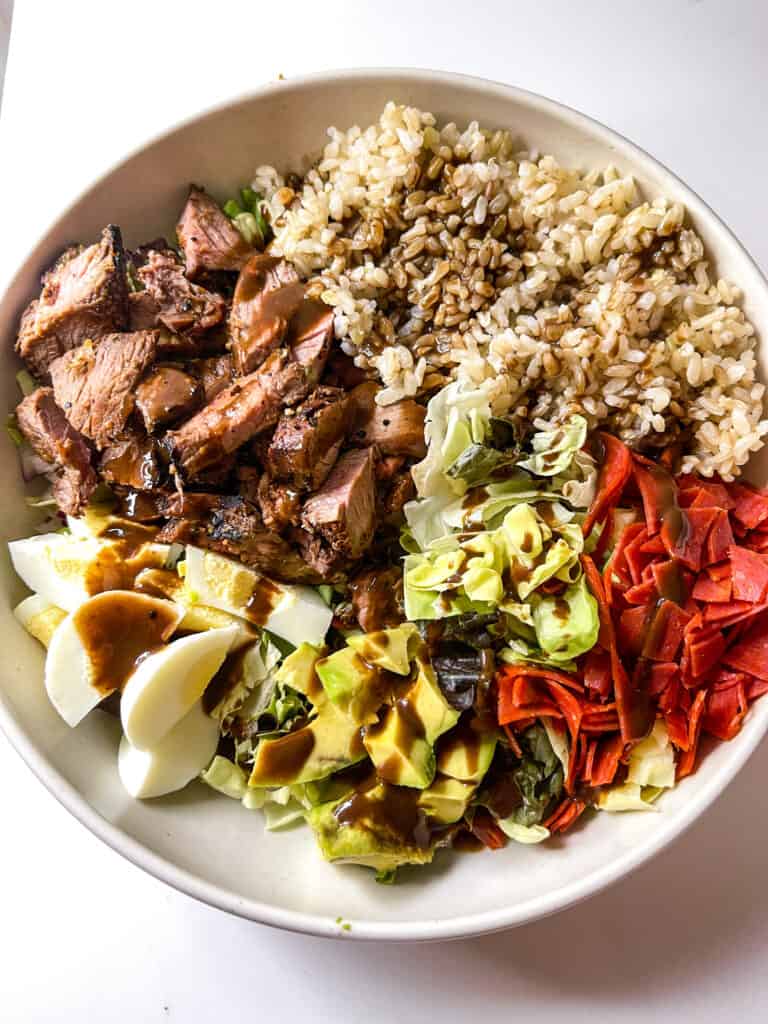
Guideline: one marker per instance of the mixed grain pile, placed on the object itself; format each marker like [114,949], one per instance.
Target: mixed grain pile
[449,253]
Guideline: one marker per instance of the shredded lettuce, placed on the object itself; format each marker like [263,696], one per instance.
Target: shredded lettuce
[526,834]
[282,807]
[567,625]
[554,450]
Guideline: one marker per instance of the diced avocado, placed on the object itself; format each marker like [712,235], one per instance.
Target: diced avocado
[466,755]
[391,649]
[401,744]
[446,800]
[430,705]
[351,684]
[399,749]
[381,828]
[329,743]
[299,672]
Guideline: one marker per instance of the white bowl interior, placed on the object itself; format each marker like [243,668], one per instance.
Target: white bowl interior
[202,842]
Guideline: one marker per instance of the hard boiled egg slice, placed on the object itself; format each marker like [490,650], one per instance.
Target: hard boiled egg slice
[296,613]
[178,758]
[39,617]
[64,570]
[166,684]
[95,649]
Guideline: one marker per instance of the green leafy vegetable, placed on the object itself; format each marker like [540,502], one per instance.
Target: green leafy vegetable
[27,383]
[553,450]
[566,625]
[478,463]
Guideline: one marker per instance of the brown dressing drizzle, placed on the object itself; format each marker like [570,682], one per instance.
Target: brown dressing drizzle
[118,630]
[474,497]
[282,760]
[263,601]
[226,679]
[562,610]
[397,814]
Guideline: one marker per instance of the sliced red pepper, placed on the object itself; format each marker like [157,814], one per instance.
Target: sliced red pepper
[708,590]
[750,574]
[724,712]
[706,653]
[606,761]
[751,653]
[642,593]
[633,704]
[751,505]
[719,539]
[688,759]
[597,671]
[614,473]
[565,814]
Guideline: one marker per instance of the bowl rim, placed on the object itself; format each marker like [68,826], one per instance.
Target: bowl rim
[315,924]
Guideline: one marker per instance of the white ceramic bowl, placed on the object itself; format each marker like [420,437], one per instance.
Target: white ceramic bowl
[198,841]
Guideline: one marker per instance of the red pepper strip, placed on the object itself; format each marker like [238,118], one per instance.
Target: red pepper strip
[708,590]
[565,815]
[751,505]
[719,540]
[634,709]
[597,671]
[631,629]
[751,653]
[694,490]
[750,574]
[607,760]
[756,688]
[487,831]
[542,672]
[616,564]
[724,712]
[589,762]
[677,727]
[514,745]
[642,593]
[614,473]
[688,760]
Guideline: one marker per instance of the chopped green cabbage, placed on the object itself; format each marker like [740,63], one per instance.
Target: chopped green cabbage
[554,450]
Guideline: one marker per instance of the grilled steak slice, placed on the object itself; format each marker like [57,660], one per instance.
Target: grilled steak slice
[45,427]
[234,527]
[396,429]
[182,307]
[267,295]
[377,598]
[132,462]
[398,490]
[95,385]
[280,505]
[142,311]
[214,374]
[208,237]
[305,445]
[309,337]
[248,406]
[165,395]
[341,371]
[343,511]
[84,295]
[325,561]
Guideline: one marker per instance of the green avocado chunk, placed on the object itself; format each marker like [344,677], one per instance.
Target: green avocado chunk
[466,754]
[329,742]
[382,828]
[401,743]
[446,800]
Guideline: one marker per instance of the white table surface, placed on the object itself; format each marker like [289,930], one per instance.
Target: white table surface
[85,936]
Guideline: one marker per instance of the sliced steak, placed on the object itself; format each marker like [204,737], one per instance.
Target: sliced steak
[182,307]
[267,295]
[167,394]
[132,462]
[248,406]
[305,445]
[54,440]
[377,598]
[343,511]
[309,338]
[84,295]
[214,374]
[95,385]
[235,528]
[208,237]
[325,561]
[341,371]
[280,504]
[396,429]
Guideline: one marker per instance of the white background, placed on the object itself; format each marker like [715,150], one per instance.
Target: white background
[84,936]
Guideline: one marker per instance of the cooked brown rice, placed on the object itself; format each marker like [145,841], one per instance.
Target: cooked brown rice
[449,253]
